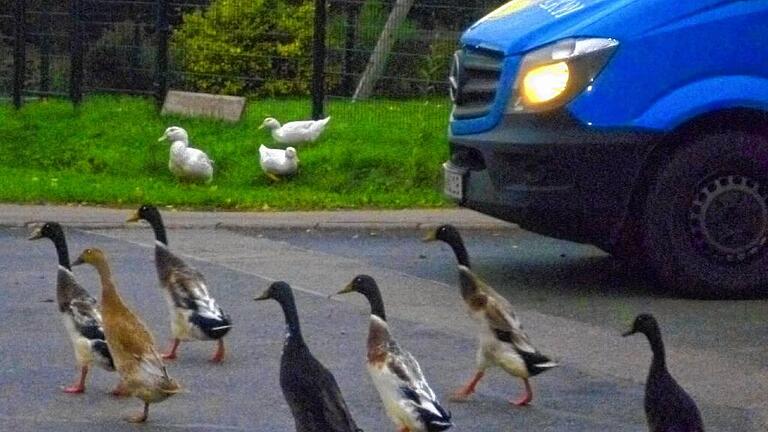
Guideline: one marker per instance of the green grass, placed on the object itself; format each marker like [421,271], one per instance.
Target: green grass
[381,154]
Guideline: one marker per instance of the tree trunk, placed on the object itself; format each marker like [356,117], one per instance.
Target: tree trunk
[378,60]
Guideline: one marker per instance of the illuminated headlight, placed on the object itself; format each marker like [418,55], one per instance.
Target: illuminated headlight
[544,83]
[551,76]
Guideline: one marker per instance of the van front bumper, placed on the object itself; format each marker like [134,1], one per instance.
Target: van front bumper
[552,175]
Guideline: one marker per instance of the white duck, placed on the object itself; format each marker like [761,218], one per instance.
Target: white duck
[295,132]
[278,162]
[187,163]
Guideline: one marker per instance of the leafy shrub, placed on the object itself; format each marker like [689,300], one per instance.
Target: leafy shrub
[254,47]
[122,58]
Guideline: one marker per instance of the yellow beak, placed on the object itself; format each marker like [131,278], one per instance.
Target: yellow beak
[36,234]
[347,289]
[134,217]
[264,296]
[430,236]
[162,138]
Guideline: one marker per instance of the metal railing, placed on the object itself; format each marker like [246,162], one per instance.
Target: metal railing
[319,48]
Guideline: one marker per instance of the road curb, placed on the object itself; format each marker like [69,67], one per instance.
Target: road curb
[91,218]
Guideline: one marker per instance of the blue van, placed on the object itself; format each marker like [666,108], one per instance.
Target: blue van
[639,126]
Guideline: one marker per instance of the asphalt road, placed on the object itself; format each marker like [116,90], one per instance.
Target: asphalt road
[574,301]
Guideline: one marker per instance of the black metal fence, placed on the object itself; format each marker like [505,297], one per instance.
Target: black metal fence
[261,48]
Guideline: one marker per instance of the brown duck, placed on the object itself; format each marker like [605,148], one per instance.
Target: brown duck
[132,346]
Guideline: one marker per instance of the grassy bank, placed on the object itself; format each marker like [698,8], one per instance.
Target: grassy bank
[373,155]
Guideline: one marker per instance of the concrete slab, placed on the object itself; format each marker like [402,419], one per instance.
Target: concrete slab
[227,108]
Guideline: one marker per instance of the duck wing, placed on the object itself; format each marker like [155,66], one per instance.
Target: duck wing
[312,393]
[129,335]
[268,153]
[301,126]
[668,406]
[507,328]
[415,389]
[189,291]
[404,365]
[85,315]
[335,408]
[506,325]
[196,156]
[82,311]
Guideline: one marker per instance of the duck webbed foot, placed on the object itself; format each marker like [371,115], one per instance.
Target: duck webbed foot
[526,398]
[465,392]
[79,387]
[219,356]
[141,417]
[171,355]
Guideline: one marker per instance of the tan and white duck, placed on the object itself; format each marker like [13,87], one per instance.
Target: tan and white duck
[408,400]
[79,312]
[503,343]
[194,313]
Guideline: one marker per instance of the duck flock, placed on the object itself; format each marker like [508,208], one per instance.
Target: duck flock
[192,165]
[111,335]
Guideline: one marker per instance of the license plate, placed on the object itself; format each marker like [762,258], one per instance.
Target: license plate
[453,185]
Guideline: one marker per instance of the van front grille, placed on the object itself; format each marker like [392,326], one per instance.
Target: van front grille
[474,81]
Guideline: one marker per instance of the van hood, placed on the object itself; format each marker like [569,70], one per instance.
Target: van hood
[522,25]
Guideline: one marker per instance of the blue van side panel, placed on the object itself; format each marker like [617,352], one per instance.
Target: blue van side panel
[705,96]
[656,80]
[504,89]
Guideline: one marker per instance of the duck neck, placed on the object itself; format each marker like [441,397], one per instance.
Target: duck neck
[178,147]
[108,292]
[462,256]
[292,319]
[377,304]
[657,346]
[156,221]
[61,250]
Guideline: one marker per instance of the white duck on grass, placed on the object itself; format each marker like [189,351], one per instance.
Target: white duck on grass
[295,132]
[278,162]
[187,163]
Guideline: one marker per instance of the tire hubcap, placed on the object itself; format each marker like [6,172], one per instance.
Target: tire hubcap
[729,218]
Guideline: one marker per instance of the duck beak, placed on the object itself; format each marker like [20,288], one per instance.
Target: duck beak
[430,236]
[36,234]
[162,138]
[264,296]
[629,333]
[345,290]
[78,261]
[134,217]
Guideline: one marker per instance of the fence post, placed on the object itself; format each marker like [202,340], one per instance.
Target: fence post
[19,52]
[76,53]
[378,60]
[163,35]
[318,61]
[353,10]
[45,47]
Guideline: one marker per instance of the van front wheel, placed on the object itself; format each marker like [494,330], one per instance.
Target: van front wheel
[706,217]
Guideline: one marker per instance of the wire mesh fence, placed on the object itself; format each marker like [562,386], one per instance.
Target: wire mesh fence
[257,48]
[394,49]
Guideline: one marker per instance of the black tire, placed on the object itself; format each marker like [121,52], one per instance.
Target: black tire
[705,222]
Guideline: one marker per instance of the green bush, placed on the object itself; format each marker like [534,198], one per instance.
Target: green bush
[252,47]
